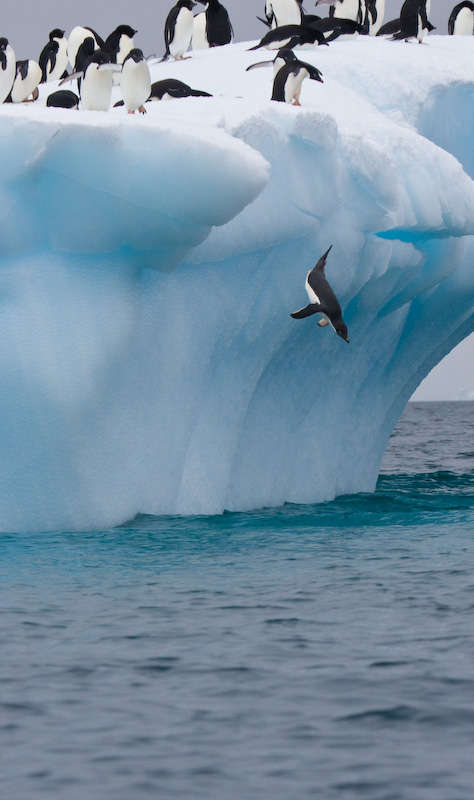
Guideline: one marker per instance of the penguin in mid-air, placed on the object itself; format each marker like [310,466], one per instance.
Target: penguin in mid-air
[179,29]
[290,36]
[27,78]
[96,83]
[7,68]
[212,28]
[135,83]
[414,23]
[171,89]
[288,80]
[53,57]
[322,300]
[283,12]
[461,20]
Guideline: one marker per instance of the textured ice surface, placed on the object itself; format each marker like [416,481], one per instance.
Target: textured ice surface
[149,267]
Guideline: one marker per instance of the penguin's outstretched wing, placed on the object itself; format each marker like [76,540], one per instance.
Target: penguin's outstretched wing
[312,308]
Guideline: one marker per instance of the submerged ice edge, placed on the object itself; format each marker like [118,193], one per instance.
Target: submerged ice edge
[188,389]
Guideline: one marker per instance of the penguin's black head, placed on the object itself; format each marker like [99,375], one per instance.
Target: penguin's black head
[136,55]
[56,34]
[125,30]
[286,54]
[341,330]
[186,4]
[3,43]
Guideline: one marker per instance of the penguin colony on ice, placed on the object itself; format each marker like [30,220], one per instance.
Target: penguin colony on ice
[97,64]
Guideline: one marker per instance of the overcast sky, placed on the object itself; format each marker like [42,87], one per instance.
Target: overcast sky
[26,25]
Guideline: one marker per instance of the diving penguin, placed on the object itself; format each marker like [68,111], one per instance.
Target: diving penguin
[288,80]
[179,29]
[322,300]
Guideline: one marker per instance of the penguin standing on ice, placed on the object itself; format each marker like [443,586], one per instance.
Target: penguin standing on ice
[135,83]
[461,20]
[211,28]
[77,37]
[53,57]
[179,29]
[27,78]
[288,80]
[7,68]
[414,23]
[283,12]
[119,43]
[96,84]
[322,300]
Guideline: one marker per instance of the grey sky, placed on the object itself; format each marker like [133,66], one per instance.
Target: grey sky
[27,25]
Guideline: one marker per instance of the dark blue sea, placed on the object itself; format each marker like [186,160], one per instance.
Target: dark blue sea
[321,651]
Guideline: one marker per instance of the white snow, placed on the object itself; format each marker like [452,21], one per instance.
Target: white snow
[149,266]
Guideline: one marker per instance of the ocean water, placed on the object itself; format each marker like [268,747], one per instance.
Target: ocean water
[321,651]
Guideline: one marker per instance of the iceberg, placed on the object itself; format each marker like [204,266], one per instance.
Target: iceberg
[149,265]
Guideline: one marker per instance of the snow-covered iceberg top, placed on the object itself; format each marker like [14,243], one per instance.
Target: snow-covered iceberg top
[149,267]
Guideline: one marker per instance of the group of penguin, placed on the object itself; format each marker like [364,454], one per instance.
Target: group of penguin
[99,64]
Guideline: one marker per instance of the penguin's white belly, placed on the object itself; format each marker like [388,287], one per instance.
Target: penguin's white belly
[183,32]
[76,38]
[135,84]
[464,23]
[313,297]
[199,38]
[347,9]
[61,62]
[96,89]
[23,88]
[286,12]
[7,76]
[375,26]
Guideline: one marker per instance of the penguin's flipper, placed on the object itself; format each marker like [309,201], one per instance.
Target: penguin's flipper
[322,323]
[265,22]
[307,311]
[259,64]
[71,77]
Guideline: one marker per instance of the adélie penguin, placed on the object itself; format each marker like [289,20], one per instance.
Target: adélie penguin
[179,29]
[290,36]
[213,27]
[63,98]
[288,80]
[25,85]
[171,89]
[7,68]
[53,57]
[414,23]
[135,83]
[283,12]
[322,300]
[284,56]
[76,38]
[96,84]
[461,20]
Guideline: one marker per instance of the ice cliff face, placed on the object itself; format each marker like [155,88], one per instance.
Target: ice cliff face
[149,267]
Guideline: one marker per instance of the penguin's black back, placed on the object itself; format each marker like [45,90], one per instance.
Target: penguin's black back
[175,88]
[63,98]
[455,12]
[48,56]
[218,26]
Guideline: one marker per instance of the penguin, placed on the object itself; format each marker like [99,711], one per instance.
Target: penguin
[179,29]
[212,28]
[170,88]
[7,68]
[414,23]
[135,83]
[27,78]
[53,57]
[76,38]
[375,13]
[283,12]
[119,43]
[288,80]
[346,9]
[96,85]
[63,98]
[389,28]
[290,36]
[284,56]
[84,51]
[461,20]
[322,300]
[334,27]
